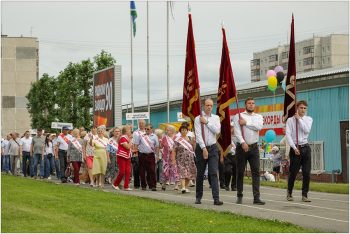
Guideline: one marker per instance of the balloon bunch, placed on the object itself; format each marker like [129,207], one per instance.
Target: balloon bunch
[274,77]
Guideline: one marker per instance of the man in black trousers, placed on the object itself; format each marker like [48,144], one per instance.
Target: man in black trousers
[247,126]
[207,151]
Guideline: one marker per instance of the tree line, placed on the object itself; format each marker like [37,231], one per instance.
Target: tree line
[67,97]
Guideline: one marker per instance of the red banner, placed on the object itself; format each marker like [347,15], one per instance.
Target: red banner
[191,102]
[290,93]
[226,95]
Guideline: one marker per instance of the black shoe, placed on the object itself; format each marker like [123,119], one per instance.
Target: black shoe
[258,202]
[239,200]
[227,188]
[163,187]
[218,203]
[154,189]
[234,189]
[144,189]
[198,201]
[222,186]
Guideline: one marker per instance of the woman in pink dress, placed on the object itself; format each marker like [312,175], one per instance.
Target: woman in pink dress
[169,173]
[183,156]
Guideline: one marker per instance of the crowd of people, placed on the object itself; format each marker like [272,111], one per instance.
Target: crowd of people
[140,159]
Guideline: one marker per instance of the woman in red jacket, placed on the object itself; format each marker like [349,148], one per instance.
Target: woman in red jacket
[124,159]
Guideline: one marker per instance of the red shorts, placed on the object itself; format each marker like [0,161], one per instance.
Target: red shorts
[89,161]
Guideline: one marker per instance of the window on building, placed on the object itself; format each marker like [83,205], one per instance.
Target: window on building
[255,72]
[328,60]
[328,48]
[308,49]
[284,55]
[308,61]
[255,62]
[273,58]
[285,66]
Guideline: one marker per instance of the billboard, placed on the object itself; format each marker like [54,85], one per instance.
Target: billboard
[272,115]
[107,97]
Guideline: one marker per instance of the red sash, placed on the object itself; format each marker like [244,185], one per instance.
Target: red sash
[185,144]
[77,145]
[64,138]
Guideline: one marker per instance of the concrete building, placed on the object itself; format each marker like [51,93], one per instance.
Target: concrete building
[19,68]
[311,54]
[327,94]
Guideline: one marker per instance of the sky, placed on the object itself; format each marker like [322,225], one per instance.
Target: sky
[76,30]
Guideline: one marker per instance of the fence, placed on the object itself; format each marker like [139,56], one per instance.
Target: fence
[317,159]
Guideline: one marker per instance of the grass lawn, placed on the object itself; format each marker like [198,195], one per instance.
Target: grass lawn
[37,206]
[314,187]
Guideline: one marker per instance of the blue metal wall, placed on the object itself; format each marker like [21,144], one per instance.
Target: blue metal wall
[326,106]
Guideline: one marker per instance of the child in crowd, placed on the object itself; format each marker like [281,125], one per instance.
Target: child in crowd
[276,159]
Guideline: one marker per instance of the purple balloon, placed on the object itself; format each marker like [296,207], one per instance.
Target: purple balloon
[270,73]
[278,69]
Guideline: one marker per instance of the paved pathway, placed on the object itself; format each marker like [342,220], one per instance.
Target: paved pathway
[327,212]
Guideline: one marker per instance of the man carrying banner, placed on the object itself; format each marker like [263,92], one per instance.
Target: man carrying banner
[247,148]
[207,151]
[300,153]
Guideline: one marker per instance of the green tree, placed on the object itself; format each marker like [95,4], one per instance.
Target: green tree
[71,93]
[103,60]
[41,102]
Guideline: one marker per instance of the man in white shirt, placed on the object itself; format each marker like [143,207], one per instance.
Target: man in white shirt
[62,145]
[300,152]
[148,147]
[5,156]
[135,157]
[247,148]
[25,144]
[207,151]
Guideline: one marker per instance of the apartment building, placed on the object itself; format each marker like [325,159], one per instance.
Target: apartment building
[19,68]
[312,54]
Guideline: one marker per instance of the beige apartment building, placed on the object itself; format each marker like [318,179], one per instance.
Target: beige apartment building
[312,54]
[19,68]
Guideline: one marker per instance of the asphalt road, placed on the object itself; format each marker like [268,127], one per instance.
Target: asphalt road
[326,212]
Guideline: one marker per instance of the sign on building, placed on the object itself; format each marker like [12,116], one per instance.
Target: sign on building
[137,115]
[107,97]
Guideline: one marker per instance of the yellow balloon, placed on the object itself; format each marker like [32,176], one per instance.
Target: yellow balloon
[272,83]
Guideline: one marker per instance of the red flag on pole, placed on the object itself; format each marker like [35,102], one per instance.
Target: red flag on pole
[227,94]
[191,102]
[290,93]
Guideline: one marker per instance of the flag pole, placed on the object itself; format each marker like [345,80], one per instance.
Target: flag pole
[131,73]
[148,88]
[167,60]
[236,97]
[199,92]
[295,86]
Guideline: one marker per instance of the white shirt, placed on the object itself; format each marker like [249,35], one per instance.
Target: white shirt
[304,128]
[250,130]
[63,145]
[25,143]
[5,147]
[48,149]
[210,130]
